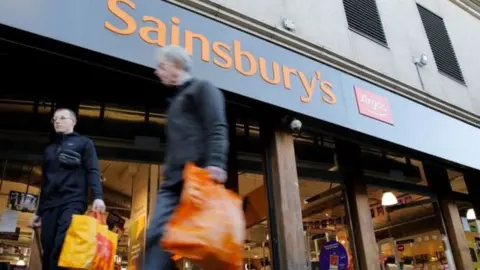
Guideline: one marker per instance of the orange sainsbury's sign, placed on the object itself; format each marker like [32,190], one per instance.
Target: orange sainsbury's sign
[226,55]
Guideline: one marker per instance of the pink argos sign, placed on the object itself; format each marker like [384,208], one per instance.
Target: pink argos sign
[373,105]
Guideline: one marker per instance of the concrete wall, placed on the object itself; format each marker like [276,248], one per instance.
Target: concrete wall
[324,23]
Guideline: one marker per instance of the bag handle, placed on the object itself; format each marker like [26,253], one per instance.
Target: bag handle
[99,216]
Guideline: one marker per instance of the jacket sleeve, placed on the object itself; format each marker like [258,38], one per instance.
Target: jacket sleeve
[211,105]
[90,161]
[39,211]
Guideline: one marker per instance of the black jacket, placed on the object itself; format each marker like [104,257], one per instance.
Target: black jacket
[196,130]
[66,182]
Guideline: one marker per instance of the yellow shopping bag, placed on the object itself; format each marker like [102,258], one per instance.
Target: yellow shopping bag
[89,244]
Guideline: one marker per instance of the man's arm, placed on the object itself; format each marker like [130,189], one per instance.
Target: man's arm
[211,105]
[39,210]
[90,161]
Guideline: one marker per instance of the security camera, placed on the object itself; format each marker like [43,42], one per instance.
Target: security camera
[295,125]
[289,24]
[421,61]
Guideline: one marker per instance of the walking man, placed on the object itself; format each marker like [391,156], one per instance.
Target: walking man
[70,166]
[196,130]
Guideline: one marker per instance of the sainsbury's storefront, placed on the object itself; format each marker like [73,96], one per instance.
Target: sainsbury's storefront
[259,70]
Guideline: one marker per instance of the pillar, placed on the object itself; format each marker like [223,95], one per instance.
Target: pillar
[349,161]
[285,212]
[438,181]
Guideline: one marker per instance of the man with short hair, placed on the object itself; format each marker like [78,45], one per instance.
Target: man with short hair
[196,130]
[70,166]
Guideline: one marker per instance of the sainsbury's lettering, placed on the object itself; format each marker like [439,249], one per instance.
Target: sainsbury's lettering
[155,31]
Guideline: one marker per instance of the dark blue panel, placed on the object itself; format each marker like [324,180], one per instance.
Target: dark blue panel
[83,23]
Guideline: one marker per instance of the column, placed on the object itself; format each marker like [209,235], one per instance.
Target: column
[285,215]
[437,179]
[349,161]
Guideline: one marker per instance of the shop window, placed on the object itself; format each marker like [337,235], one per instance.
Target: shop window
[19,194]
[119,121]
[392,166]
[45,107]
[326,223]
[130,191]
[11,105]
[17,114]
[257,245]
[408,230]
[253,190]
[89,110]
[124,113]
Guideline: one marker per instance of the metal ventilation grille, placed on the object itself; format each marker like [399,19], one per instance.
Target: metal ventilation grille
[441,45]
[363,17]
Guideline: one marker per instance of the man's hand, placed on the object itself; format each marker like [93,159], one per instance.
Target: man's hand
[99,205]
[36,222]
[217,174]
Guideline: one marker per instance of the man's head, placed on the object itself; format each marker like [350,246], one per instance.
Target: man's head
[64,120]
[173,64]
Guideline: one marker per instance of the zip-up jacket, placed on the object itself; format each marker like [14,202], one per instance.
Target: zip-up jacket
[196,130]
[63,182]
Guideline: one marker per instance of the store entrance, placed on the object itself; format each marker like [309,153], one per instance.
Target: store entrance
[128,189]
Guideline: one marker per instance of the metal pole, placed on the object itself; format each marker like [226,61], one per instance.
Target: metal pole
[420,77]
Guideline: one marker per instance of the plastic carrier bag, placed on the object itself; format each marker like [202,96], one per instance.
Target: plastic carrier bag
[211,234]
[89,244]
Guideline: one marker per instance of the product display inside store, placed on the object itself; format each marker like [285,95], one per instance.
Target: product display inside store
[125,188]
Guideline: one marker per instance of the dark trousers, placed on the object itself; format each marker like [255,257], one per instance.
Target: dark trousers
[55,223]
[168,198]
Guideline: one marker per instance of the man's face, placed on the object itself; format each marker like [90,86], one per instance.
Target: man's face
[168,73]
[63,121]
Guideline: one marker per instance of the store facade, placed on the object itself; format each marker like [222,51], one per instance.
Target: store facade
[352,115]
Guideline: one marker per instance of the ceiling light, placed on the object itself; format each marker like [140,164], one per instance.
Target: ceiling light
[471,214]
[389,199]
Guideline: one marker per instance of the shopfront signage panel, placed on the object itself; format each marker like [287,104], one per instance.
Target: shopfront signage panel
[372,105]
[243,64]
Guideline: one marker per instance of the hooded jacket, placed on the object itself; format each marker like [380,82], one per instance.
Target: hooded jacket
[70,167]
[196,129]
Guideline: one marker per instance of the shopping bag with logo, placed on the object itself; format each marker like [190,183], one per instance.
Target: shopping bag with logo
[211,234]
[88,243]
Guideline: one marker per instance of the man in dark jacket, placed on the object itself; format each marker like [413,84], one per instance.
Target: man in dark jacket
[196,130]
[70,166]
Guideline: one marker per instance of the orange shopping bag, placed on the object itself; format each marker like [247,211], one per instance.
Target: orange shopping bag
[89,244]
[211,234]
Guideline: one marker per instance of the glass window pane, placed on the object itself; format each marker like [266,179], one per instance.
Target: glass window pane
[408,230]
[326,224]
